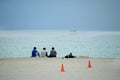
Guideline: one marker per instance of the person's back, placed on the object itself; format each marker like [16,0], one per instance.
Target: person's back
[43,53]
[35,52]
[53,53]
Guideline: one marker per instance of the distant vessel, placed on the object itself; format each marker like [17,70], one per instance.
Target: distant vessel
[73,30]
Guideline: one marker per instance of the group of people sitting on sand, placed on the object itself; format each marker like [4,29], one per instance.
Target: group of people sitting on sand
[44,53]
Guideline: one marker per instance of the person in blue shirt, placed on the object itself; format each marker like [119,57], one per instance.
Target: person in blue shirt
[35,53]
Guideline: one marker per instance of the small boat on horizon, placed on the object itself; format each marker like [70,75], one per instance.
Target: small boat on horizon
[73,30]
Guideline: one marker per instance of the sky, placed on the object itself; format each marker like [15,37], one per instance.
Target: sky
[60,14]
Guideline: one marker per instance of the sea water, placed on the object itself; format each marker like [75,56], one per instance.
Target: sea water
[19,43]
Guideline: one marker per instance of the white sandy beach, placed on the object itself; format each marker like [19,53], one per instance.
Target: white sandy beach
[50,69]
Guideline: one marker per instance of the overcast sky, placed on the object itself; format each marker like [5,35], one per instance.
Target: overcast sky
[60,14]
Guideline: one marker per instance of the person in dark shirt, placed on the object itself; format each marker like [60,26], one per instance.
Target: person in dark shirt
[35,53]
[53,53]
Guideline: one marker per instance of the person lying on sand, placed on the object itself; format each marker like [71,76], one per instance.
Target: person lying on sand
[70,56]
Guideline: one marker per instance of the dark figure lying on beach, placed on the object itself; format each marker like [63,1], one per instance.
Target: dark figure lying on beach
[70,56]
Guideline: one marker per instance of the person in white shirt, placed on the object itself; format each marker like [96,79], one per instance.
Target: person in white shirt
[44,53]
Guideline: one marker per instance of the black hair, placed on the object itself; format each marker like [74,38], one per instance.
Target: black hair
[44,48]
[34,48]
[52,48]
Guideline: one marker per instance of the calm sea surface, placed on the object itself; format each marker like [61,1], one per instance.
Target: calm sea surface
[19,43]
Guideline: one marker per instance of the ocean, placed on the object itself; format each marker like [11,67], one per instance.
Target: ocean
[96,44]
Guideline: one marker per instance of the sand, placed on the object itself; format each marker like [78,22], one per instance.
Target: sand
[50,69]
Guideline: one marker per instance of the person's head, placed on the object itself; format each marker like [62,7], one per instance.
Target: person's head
[44,48]
[70,53]
[34,48]
[53,48]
